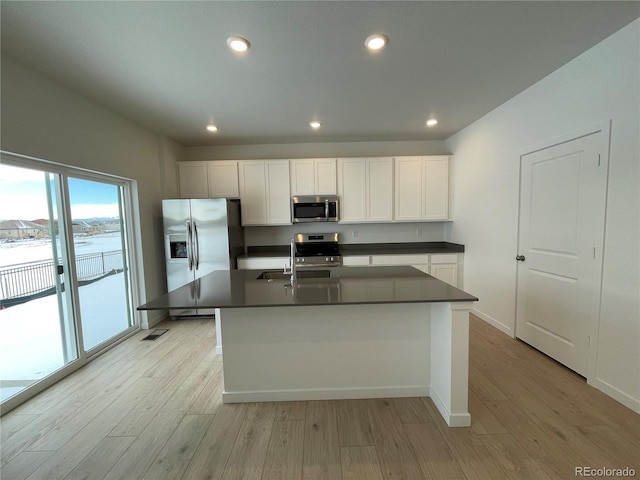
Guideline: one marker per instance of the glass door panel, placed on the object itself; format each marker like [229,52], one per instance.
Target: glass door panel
[100,248]
[37,332]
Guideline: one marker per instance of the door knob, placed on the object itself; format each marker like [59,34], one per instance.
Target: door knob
[520,258]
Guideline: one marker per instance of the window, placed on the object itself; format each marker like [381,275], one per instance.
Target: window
[65,271]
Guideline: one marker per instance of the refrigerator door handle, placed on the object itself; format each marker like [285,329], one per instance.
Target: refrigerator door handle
[190,245]
[197,245]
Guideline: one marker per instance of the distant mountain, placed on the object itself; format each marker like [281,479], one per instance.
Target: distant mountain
[96,220]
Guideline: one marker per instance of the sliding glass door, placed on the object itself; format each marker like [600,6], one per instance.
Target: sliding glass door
[100,246]
[37,329]
[65,289]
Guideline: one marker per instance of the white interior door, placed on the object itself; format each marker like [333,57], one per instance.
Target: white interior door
[562,200]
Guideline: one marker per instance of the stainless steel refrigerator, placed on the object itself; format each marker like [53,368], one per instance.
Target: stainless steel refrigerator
[200,236]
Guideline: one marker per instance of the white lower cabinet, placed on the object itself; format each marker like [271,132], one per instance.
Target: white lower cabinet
[446,267]
[448,273]
[419,261]
[356,260]
[263,263]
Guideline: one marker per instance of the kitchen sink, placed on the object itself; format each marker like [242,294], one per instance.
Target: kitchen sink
[279,275]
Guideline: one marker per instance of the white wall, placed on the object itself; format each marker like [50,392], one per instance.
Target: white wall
[317,150]
[45,120]
[600,85]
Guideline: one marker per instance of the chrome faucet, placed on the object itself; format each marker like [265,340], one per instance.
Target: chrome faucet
[292,270]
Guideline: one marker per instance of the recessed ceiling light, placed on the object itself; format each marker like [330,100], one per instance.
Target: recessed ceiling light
[315,125]
[238,44]
[212,128]
[376,41]
[431,122]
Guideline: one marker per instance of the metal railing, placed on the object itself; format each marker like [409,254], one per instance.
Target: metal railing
[34,278]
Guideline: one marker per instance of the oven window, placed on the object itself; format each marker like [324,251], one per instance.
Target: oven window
[309,210]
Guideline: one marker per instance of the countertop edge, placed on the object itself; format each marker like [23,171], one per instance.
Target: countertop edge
[353,249]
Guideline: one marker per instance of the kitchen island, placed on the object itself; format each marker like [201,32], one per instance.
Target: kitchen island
[344,332]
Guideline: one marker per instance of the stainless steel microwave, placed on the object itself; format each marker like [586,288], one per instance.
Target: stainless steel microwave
[314,208]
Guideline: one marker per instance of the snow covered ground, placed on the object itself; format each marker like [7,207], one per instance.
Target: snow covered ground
[30,338]
[24,251]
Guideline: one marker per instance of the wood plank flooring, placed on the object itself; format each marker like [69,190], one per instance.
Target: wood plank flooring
[153,410]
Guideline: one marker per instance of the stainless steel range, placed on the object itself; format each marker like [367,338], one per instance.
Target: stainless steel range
[317,250]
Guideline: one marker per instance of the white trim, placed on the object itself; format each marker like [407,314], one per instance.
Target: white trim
[325,394]
[452,419]
[615,393]
[495,323]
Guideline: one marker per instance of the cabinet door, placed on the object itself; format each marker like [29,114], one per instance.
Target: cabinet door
[436,188]
[408,189]
[447,272]
[380,189]
[253,203]
[263,263]
[325,176]
[192,178]
[356,260]
[352,189]
[278,193]
[223,179]
[303,177]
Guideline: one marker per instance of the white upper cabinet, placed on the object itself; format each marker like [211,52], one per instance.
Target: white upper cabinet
[313,176]
[253,192]
[278,192]
[436,193]
[422,188]
[223,179]
[376,190]
[193,179]
[264,192]
[352,188]
[213,179]
[365,187]
[380,189]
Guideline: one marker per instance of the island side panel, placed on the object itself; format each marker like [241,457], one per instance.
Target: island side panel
[325,352]
[450,361]
[218,332]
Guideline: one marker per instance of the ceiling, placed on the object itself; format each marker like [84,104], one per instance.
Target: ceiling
[166,65]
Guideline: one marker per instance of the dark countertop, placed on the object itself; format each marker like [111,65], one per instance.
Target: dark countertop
[347,249]
[344,286]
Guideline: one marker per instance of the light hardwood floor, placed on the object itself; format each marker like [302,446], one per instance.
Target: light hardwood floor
[153,410]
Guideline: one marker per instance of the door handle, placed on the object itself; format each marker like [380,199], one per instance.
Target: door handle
[197,245]
[520,258]
[190,245]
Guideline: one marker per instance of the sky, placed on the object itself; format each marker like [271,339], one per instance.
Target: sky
[23,196]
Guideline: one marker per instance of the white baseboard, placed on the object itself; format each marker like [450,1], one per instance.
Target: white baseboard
[615,393]
[161,317]
[492,321]
[452,419]
[325,394]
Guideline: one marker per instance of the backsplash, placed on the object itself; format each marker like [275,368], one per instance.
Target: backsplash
[349,234]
